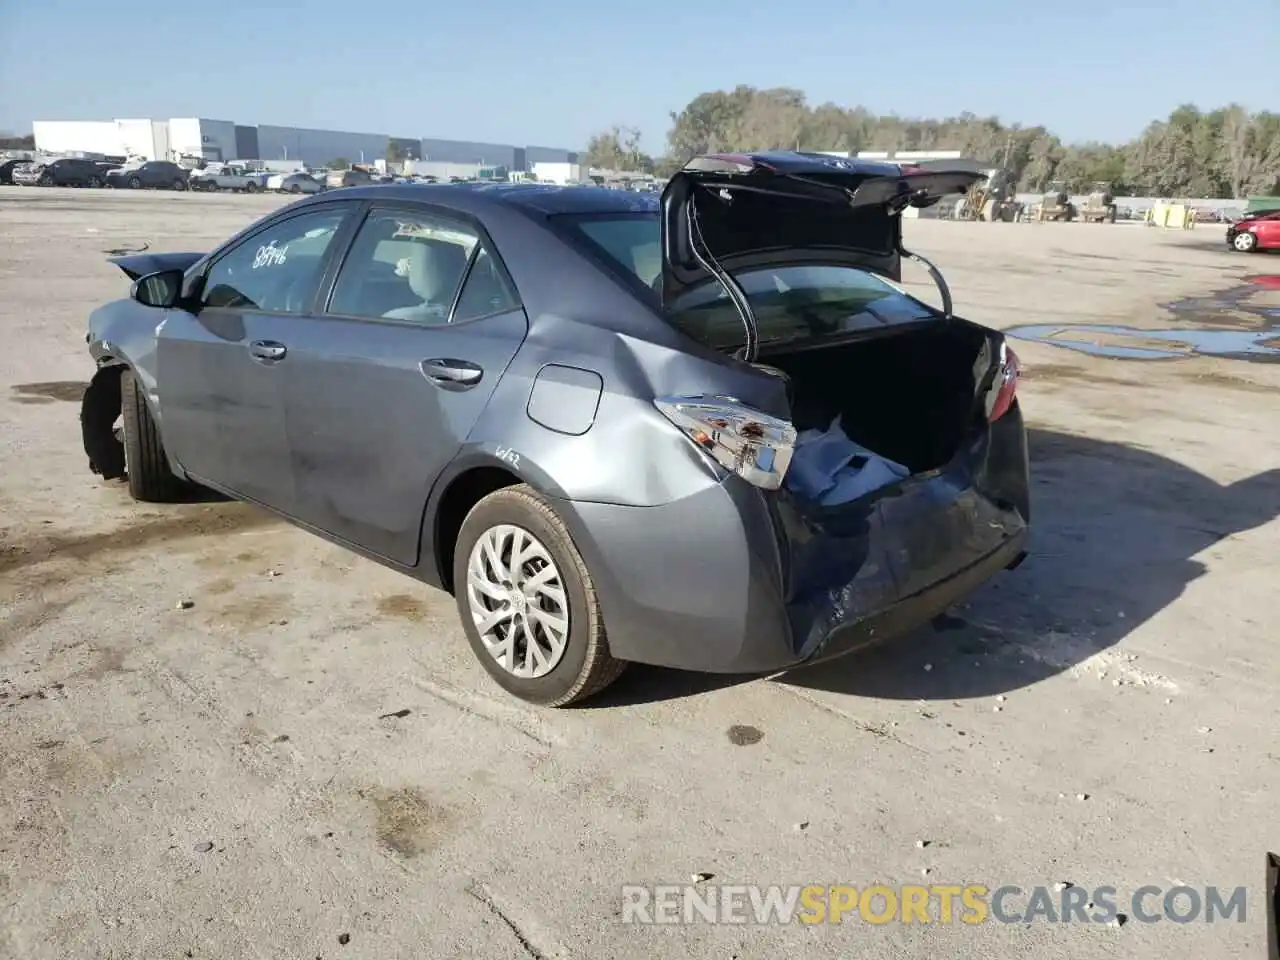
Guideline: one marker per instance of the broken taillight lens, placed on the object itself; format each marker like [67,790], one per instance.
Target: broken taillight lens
[1004,388]
[754,445]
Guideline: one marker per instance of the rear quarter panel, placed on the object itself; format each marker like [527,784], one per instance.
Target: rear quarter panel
[580,316]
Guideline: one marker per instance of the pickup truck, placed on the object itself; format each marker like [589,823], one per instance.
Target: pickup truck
[229,176]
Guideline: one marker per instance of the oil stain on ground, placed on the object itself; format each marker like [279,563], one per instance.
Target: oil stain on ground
[250,613]
[1227,324]
[106,661]
[408,822]
[402,605]
[202,521]
[743,736]
[71,391]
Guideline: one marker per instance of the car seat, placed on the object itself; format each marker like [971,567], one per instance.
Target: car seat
[435,269]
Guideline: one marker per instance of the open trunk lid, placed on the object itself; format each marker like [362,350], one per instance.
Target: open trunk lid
[772,209]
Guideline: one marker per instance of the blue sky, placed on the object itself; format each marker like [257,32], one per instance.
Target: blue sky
[518,71]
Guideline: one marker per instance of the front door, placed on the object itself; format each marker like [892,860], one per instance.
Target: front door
[385,383]
[220,368]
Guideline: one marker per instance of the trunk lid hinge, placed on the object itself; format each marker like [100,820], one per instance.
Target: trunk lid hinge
[706,259]
[934,274]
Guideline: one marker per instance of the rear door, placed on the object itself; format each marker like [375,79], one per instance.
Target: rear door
[1268,231]
[221,364]
[386,381]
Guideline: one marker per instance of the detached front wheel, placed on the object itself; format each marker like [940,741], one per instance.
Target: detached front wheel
[145,463]
[527,601]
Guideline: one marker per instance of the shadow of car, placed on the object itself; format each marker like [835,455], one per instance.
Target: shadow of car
[1117,532]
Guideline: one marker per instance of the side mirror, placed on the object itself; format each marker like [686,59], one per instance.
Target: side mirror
[162,289]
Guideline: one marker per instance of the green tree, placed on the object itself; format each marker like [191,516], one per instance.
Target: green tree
[1226,152]
[617,148]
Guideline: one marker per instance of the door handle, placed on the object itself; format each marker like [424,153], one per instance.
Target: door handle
[268,350]
[451,374]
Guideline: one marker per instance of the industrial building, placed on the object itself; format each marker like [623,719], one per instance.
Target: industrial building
[191,138]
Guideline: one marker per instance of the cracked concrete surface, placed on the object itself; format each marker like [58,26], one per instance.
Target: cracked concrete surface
[240,779]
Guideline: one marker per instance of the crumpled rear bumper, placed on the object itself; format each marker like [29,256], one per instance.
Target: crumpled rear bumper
[736,580]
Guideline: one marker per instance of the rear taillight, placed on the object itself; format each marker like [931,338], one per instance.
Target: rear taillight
[1004,388]
[754,445]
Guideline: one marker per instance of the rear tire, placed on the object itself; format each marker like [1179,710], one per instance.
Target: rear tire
[250,187]
[146,466]
[135,183]
[585,667]
[179,184]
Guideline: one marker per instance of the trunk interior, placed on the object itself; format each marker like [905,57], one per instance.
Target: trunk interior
[910,396]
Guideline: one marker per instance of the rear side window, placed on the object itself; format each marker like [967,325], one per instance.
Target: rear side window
[410,265]
[632,242]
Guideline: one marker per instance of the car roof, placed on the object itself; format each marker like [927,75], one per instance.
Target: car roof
[476,198]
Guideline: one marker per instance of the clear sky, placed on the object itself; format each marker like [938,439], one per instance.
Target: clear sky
[552,73]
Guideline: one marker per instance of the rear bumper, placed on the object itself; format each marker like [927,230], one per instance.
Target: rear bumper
[918,609]
[735,580]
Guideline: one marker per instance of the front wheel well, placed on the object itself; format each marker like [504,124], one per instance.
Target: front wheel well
[463,493]
[99,410]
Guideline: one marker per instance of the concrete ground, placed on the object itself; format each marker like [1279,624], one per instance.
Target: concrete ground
[307,762]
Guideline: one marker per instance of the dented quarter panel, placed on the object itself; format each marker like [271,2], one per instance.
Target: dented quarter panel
[632,454]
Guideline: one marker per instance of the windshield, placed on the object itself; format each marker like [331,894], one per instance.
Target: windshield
[790,302]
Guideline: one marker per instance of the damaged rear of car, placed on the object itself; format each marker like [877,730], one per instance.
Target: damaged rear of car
[877,470]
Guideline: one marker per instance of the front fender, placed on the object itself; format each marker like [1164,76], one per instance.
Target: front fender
[126,333]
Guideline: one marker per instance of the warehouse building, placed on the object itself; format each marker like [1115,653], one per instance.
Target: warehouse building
[189,138]
[319,147]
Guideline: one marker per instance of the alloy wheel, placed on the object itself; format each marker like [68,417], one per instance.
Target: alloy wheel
[1244,241]
[517,600]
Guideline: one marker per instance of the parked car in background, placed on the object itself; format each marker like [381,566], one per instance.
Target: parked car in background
[298,182]
[1255,232]
[616,427]
[229,176]
[7,166]
[149,175]
[336,179]
[64,172]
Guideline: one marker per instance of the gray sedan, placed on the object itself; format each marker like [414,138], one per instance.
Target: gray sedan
[705,430]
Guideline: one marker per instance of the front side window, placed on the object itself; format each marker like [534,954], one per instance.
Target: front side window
[410,265]
[789,302]
[275,270]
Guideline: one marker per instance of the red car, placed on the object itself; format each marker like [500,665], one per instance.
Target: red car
[1255,231]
